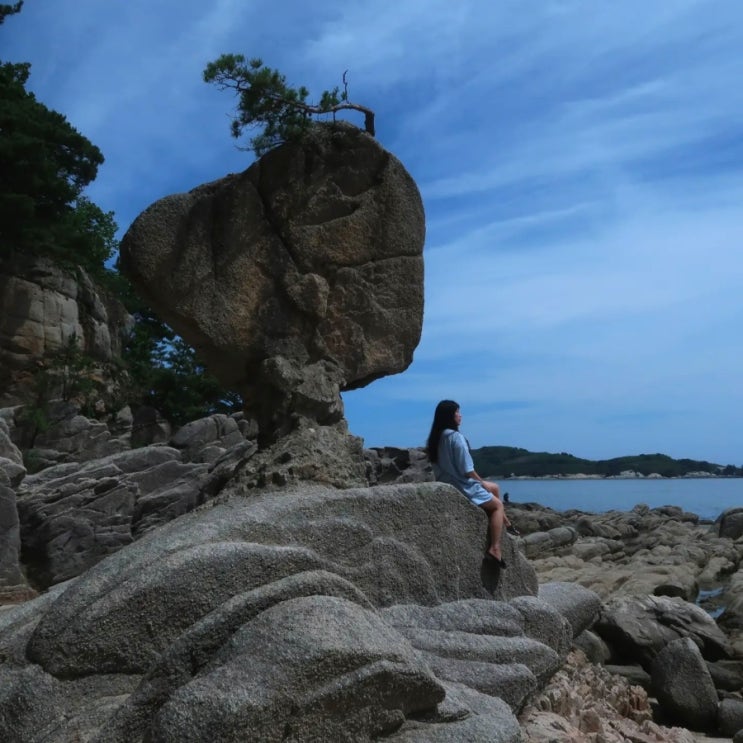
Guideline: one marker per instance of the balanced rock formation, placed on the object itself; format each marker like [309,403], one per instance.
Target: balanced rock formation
[294,280]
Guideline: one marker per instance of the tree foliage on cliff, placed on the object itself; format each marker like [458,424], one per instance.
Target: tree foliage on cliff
[507,461]
[45,165]
[265,100]
[164,371]
[7,9]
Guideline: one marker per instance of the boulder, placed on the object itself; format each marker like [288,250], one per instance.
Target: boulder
[732,615]
[311,612]
[726,674]
[72,515]
[683,685]
[635,675]
[592,646]
[389,464]
[638,628]
[730,716]
[310,668]
[730,523]
[206,439]
[532,517]
[554,540]
[298,278]
[578,605]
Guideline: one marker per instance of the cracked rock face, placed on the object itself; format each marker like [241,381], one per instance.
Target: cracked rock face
[42,308]
[294,280]
[313,614]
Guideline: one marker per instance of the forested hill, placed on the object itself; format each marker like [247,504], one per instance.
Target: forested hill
[508,461]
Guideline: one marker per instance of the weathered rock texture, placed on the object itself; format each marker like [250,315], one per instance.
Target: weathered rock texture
[12,471]
[74,514]
[42,306]
[295,279]
[307,614]
[583,703]
[649,566]
[684,686]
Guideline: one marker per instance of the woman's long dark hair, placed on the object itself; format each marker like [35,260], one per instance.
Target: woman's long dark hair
[443,417]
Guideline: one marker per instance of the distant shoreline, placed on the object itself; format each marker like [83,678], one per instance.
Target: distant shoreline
[632,476]
[511,462]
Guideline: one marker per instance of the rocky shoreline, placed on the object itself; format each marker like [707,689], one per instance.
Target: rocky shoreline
[629,475]
[574,625]
[664,575]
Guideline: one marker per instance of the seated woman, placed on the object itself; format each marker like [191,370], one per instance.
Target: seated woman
[450,456]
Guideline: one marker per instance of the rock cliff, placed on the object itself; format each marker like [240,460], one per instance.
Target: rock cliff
[43,307]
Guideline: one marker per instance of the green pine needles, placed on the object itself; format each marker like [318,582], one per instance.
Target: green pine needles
[265,100]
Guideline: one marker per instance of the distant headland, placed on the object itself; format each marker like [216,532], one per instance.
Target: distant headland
[512,462]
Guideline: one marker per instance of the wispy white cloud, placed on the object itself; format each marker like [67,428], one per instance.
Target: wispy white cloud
[581,165]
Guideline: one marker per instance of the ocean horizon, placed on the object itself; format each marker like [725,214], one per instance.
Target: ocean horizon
[707,497]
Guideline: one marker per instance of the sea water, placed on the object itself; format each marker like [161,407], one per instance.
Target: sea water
[708,497]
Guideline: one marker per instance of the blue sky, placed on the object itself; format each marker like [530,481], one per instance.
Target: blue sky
[581,166]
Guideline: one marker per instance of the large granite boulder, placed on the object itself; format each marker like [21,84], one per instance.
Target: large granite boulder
[639,628]
[684,686]
[730,523]
[311,613]
[43,307]
[295,279]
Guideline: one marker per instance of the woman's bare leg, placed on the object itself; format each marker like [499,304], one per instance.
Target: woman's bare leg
[496,514]
[494,490]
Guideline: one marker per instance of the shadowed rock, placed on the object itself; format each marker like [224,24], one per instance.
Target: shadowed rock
[639,628]
[298,278]
[42,308]
[684,686]
[313,613]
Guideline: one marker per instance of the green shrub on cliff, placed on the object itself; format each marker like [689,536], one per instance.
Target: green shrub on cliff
[45,165]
